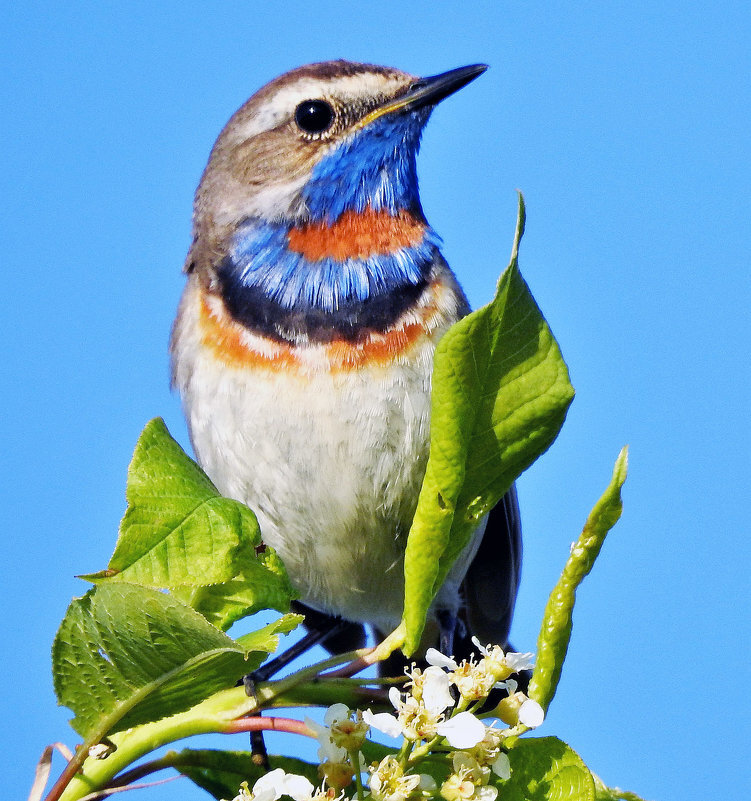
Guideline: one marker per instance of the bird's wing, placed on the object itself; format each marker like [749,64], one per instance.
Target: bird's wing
[492,581]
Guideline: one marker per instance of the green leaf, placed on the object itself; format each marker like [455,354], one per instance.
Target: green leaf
[555,632]
[178,532]
[261,583]
[126,655]
[266,638]
[500,395]
[220,773]
[546,769]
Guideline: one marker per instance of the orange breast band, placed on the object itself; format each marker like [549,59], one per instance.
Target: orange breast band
[229,343]
[357,235]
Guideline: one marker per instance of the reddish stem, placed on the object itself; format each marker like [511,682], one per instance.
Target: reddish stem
[68,773]
[289,725]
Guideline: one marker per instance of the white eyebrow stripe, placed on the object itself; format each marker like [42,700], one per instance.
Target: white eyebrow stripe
[280,106]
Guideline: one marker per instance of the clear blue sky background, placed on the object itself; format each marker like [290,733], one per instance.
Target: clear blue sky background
[627,127]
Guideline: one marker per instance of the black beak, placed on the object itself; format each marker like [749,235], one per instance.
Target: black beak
[428,91]
[431,90]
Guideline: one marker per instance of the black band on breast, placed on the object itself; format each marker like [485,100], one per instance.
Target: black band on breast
[353,320]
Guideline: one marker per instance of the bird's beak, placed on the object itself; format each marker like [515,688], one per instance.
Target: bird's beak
[427,91]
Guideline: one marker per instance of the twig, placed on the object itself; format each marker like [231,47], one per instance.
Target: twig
[257,723]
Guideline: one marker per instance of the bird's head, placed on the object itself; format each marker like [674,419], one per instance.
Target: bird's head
[321,140]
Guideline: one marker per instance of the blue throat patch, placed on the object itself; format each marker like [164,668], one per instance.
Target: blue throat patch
[260,258]
[281,293]
[376,167]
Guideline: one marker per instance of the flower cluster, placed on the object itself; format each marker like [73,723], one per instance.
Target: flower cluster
[429,710]
[436,715]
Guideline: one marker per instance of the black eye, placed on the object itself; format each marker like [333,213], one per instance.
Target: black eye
[314,116]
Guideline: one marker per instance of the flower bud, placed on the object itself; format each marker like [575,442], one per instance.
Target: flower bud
[337,774]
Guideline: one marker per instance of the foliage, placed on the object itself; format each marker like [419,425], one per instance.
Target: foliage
[143,658]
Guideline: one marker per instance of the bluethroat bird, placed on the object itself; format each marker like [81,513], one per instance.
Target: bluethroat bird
[304,341]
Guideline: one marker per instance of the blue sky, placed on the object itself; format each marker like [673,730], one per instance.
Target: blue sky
[625,125]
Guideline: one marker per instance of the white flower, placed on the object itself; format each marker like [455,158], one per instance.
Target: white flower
[531,714]
[328,751]
[417,722]
[473,680]
[420,714]
[500,664]
[462,731]
[458,788]
[388,782]
[276,783]
[344,731]
[471,768]
[431,687]
[468,782]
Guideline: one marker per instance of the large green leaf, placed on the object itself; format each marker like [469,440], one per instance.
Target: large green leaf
[179,532]
[557,620]
[126,655]
[546,769]
[500,395]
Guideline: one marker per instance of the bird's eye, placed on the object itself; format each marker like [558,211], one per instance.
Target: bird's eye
[314,116]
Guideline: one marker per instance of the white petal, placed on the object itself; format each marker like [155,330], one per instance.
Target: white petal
[336,712]
[502,767]
[270,785]
[519,662]
[265,794]
[384,722]
[434,657]
[435,690]
[314,725]
[462,731]
[298,787]
[395,697]
[486,793]
[483,650]
[531,714]
[509,685]
[428,784]
[329,752]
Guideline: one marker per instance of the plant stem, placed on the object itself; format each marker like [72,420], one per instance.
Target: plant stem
[354,758]
[423,750]
[290,725]
[212,715]
[217,714]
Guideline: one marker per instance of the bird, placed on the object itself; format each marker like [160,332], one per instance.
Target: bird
[303,346]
